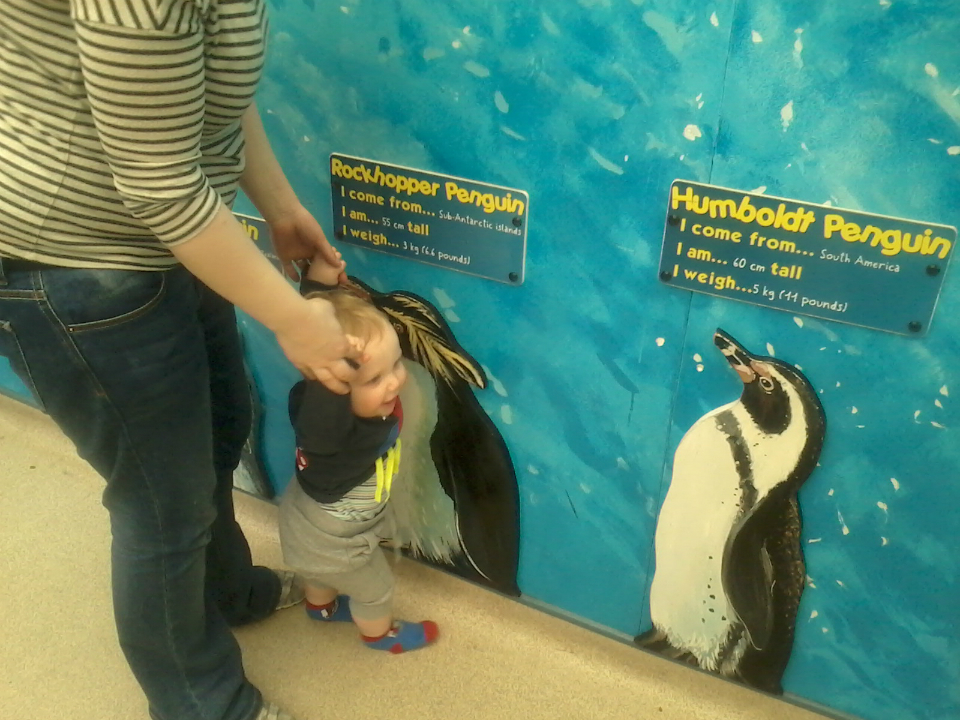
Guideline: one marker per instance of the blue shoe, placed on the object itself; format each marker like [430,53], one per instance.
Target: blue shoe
[337,611]
[405,636]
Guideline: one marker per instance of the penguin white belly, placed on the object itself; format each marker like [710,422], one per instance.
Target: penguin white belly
[425,516]
[703,503]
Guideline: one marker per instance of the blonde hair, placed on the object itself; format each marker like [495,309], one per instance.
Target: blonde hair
[357,317]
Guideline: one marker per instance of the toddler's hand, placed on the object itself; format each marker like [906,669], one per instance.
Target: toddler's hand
[322,271]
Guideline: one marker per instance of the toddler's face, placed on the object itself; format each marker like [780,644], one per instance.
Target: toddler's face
[374,389]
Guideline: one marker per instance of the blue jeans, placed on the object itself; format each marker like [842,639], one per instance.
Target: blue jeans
[144,372]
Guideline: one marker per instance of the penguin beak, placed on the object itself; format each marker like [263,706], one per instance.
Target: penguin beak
[740,360]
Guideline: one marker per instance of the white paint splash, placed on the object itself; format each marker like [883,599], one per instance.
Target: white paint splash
[840,583]
[714,20]
[811,541]
[770,351]
[953,150]
[451,316]
[443,299]
[512,133]
[814,615]
[843,525]
[756,37]
[456,44]
[604,163]
[938,404]
[660,342]
[432,53]
[931,70]
[475,68]
[699,368]
[883,506]
[798,48]
[622,464]
[786,115]
[506,414]
[938,425]
[854,410]
[798,321]
[811,583]
[532,470]
[495,383]
[697,357]
[692,132]
[501,102]
[883,541]
[759,190]
[549,25]
[916,415]
[895,483]
[585,489]
[944,391]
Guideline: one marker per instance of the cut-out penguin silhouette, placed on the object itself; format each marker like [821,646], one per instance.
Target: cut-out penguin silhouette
[729,564]
[455,500]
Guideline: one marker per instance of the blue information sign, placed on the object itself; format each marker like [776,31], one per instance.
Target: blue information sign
[869,270]
[462,225]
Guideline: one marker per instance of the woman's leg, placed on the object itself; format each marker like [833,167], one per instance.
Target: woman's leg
[244,593]
[119,360]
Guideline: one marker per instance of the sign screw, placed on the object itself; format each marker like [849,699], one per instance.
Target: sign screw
[933,270]
[673,219]
[513,277]
[517,222]
[915,326]
[666,276]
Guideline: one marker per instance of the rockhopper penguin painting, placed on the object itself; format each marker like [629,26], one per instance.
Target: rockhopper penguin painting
[455,499]
[729,564]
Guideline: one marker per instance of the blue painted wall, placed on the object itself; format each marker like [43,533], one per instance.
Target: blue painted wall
[597,369]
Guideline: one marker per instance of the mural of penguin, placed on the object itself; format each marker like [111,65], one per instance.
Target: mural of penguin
[456,500]
[729,564]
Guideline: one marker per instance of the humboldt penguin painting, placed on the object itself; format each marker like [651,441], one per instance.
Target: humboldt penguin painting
[455,499]
[729,564]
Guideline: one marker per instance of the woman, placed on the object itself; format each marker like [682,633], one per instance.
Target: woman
[125,129]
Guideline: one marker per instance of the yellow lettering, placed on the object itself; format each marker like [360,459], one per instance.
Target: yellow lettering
[831,224]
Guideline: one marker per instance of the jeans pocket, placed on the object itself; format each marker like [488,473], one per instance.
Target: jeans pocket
[17,379]
[90,299]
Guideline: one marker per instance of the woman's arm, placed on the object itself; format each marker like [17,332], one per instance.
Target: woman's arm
[295,234]
[227,261]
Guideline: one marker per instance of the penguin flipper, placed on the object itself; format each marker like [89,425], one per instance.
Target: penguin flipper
[748,576]
[765,670]
[476,471]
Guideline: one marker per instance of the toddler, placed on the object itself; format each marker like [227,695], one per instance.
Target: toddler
[335,511]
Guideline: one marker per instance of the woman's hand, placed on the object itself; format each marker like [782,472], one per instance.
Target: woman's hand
[316,345]
[297,237]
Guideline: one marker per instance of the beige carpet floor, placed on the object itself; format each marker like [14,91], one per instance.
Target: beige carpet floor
[496,658]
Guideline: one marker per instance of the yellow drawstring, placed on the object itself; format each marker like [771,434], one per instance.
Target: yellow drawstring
[386,474]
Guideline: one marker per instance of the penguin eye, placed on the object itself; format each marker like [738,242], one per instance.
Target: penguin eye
[766,384]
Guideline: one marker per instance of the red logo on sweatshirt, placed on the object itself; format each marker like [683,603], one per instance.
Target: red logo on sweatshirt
[301,460]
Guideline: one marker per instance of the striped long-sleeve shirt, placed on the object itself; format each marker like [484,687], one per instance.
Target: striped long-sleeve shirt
[120,124]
